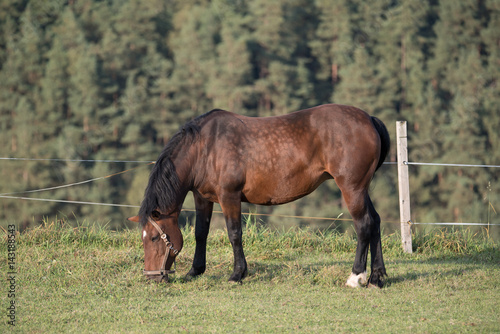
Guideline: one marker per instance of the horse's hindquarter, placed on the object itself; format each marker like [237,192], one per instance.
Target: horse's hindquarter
[290,156]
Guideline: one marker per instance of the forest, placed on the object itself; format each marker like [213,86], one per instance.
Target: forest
[115,79]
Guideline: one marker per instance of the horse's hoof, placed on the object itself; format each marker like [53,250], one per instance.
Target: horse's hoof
[354,280]
[376,280]
[378,284]
[192,275]
[189,278]
[236,278]
[195,272]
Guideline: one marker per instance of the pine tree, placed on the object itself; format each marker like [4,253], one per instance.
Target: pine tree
[194,39]
[230,81]
[280,53]
[331,45]
[20,86]
[458,77]
[490,117]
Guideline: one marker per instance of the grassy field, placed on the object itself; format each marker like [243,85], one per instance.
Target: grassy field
[89,280]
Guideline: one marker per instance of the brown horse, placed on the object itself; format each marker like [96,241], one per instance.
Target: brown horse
[227,158]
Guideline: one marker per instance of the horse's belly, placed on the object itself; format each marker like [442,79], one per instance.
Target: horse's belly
[274,191]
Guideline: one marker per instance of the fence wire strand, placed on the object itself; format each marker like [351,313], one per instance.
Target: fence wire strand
[447,165]
[74,160]
[145,161]
[74,184]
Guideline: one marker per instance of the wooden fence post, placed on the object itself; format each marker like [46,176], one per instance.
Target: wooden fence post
[404,186]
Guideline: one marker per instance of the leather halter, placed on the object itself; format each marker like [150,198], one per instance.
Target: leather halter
[169,247]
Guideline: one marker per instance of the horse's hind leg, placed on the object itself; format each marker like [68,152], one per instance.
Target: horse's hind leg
[377,260]
[367,226]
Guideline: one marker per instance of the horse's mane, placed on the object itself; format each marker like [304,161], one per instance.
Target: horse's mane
[164,184]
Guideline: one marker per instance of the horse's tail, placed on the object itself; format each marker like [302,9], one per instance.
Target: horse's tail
[385,139]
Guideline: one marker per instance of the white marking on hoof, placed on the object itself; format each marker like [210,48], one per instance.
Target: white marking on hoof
[363,279]
[354,280]
[143,234]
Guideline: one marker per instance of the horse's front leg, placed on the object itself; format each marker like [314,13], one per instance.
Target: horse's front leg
[204,210]
[231,208]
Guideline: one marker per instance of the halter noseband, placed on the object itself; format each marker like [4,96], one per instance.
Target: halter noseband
[169,247]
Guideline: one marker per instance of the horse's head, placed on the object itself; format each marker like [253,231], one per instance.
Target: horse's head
[162,241]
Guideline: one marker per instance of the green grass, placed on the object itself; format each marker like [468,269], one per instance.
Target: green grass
[88,279]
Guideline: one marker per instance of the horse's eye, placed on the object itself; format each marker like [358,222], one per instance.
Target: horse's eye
[155,215]
[156,238]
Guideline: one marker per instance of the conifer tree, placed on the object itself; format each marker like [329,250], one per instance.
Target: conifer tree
[280,52]
[230,79]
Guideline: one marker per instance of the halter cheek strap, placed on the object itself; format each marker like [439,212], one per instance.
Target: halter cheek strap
[169,247]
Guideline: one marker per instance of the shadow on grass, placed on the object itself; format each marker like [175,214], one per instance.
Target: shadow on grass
[461,264]
[429,275]
[267,272]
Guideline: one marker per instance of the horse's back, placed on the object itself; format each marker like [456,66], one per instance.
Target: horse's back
[327,134]
[327,115]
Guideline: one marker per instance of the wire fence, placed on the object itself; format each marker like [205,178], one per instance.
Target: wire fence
[149,162]
[74,160]
[448,165]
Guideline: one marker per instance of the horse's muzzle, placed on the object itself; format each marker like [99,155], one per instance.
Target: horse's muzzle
[157,278]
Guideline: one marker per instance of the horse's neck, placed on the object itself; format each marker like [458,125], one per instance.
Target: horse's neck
[184,163]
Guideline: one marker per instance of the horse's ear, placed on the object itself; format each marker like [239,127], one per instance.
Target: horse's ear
[134,219]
